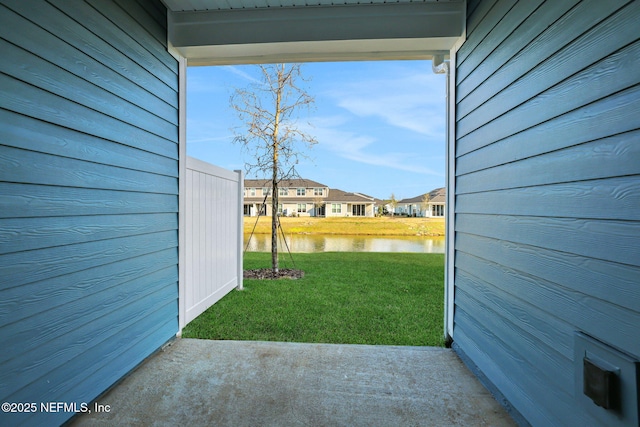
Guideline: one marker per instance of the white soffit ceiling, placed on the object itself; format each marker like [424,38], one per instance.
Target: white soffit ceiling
[196,5]
[216,32]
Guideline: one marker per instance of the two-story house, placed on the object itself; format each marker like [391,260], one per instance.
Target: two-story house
[304,197]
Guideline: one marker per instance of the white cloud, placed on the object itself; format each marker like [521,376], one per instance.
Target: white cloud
[240,73]
[407,100]
[199,84]
[225,138]
[201,81]
[202,130]
[360,148]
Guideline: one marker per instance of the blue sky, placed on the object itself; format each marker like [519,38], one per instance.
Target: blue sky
[380,126]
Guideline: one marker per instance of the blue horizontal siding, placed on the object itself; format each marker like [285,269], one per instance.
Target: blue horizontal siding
[547,226]
[589,123]
[613,241]
[86,29]
[476,11]
[24,200]
[614,198]
[155,10]
[551,52]
[593,121]
[88,197]
[152,20]
[23,234]
[20,268]
[17,165]
[517,314]
[27,133]
[557,368]
[616,155]
[585,87]
[18,303]
[489,15]
[608,281]
[542,18]
[70,333]
[78,61]
[50,77]
[123,358]
[149,333]
[512,374]
[504,29]
[576,307]
[149,51]
[20,97]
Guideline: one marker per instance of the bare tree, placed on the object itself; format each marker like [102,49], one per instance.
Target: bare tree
[270,131]
[425,203]
[394,204]
[318,203]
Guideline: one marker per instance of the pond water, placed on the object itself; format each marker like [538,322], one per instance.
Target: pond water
[340,243]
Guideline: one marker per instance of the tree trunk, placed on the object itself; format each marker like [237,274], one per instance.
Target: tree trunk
[274,221]
[274,175]
[279,90]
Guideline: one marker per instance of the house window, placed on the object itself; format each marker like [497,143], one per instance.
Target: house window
[283,191]
[318,191]
[247,210]
[301,192]
[302,207]
[437,210]
[358,210]
[252,192]
[336,208]
[266,191]
[280,208]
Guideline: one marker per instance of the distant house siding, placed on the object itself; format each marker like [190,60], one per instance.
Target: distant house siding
[336,209]
[547,195]
[88,197]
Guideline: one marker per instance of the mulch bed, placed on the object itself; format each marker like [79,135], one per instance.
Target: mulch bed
[267,273]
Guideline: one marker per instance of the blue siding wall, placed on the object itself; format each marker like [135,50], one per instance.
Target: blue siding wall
[547,213]
[88,197]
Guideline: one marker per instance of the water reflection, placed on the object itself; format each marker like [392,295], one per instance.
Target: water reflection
[333,243]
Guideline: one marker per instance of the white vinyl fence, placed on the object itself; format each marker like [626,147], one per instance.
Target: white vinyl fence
[214,199]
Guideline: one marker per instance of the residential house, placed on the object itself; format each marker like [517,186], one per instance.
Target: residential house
[431,205]
[543,230]
[342,203]
[304,197]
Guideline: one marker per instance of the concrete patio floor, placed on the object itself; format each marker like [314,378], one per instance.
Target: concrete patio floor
[239,383]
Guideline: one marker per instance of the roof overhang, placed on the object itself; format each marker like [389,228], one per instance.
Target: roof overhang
[315,33]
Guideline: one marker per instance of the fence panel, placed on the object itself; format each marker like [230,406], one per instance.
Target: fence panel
[213,236]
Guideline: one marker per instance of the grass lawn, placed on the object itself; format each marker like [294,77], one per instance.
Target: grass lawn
[345,297]
[378,226]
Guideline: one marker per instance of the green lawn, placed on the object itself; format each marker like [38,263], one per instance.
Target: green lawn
[345,297]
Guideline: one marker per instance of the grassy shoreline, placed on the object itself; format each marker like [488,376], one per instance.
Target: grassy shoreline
[345,297]
[357,226]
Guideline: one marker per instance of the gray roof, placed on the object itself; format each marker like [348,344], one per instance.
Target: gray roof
[439,195]
[336,195]
[288,183]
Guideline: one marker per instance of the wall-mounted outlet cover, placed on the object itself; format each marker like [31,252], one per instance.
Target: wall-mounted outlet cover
[606,382]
